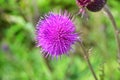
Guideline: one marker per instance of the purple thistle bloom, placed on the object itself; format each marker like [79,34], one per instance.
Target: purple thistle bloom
[83,3]
[55,34]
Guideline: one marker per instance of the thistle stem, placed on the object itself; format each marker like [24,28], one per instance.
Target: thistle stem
[116,30]
[87,60]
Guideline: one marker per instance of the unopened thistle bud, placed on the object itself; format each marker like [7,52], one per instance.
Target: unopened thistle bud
[91,5]
[96,5]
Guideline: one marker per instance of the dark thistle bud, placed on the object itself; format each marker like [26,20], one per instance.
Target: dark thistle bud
[96,5]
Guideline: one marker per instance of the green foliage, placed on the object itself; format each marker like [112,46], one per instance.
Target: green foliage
[21,60]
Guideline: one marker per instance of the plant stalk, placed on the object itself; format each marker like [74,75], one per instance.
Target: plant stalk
[116,30]
[87,60]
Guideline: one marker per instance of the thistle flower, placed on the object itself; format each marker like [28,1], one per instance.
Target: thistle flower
[82,5]
[55,34]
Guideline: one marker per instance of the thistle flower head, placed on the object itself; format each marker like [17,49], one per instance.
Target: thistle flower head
[55,34]
[83,3]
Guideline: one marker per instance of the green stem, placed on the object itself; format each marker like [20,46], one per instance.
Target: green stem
[116,30]
[87,60]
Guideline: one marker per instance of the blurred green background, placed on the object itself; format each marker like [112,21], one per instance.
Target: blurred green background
[21,60]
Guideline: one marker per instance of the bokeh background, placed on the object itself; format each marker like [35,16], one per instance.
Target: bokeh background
[21,60]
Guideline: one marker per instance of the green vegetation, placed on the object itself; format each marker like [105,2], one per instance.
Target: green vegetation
[21,60]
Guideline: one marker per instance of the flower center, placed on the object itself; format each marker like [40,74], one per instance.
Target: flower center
[60,34]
